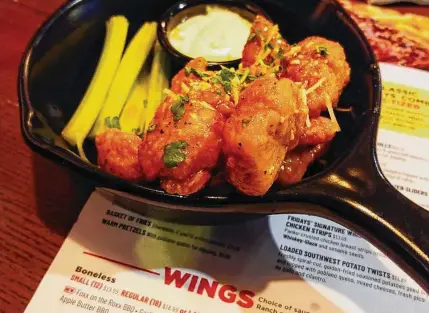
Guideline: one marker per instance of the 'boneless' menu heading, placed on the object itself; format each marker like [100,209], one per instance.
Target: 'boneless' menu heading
[93,274]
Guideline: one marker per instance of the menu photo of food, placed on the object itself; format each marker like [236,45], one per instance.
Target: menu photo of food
[397,38]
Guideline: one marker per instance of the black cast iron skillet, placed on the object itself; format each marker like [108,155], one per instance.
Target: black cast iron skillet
[61,58]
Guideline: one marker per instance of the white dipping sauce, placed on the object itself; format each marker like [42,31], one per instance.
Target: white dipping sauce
[218,35]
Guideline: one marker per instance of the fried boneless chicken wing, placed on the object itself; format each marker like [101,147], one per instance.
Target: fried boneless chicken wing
[297,161]
[264,48]
[118,154]
[320,66]
[321,130]
[190,73]
[185,144]
[269,117]
[316,64]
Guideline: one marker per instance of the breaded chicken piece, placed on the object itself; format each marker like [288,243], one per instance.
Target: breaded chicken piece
[321,130]
[269,116]
[157,137]
[118,154]
[184,77]
[213,94]
[184,143]
[264,48]
[187,186]
[196,80]
[297,161]
[321,67]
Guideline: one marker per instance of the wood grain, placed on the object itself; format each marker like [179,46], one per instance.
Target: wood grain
[39,200]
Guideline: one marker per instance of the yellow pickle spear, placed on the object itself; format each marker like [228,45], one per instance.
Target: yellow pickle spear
[132,62]
[134,109]
[158,81]
[88,109]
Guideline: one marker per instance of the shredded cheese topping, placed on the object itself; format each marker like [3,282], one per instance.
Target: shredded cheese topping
[204,85]
[235,84]
[292,51]
[304,100]
[349,109]
[185,88]
[316,85]
[331,112]
[263,67]
[245,74]
[266,53]
[273,31]
[168,92]
[207,106]
[262,53]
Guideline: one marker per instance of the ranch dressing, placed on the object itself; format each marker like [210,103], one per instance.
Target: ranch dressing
[218,35]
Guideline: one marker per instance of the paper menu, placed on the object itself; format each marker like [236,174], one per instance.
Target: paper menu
[117,261]
[403,138]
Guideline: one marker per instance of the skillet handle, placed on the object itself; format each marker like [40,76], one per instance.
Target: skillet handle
[359,196]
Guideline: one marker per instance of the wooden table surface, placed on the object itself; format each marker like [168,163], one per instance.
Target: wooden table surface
[39,200]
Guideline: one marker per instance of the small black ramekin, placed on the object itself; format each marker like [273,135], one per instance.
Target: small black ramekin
[185,9]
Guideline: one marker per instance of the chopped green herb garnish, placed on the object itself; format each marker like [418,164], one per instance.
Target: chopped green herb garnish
[145,103]
[280,53]
[190,70]
[225,84]
[227,87]
[174,153]
[323,51]
[226,74]
[178,108]
[112,122]
[225,77]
